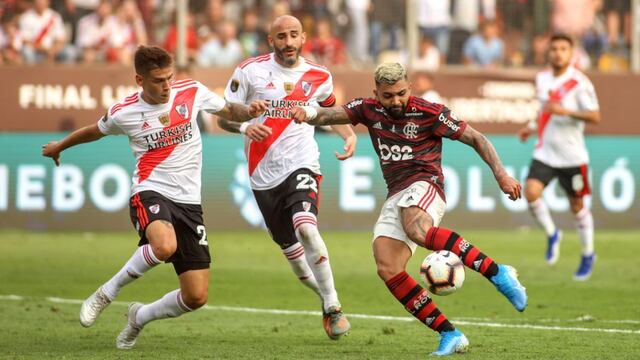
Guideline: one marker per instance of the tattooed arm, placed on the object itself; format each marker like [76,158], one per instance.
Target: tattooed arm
[487,152]
[320,116]
[240,113]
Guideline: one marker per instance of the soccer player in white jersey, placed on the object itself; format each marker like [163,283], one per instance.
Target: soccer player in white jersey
[569,102]
[160,122]
[283,157]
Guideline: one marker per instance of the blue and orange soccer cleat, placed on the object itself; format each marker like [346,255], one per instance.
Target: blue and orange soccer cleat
[506,281]
[553,247]
[586,267]
[451,342]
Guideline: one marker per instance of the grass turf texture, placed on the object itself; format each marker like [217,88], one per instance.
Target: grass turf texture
[250,271]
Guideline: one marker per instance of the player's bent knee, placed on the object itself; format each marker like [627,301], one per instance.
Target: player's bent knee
[196,299]
[387,270]
[163,250]
[417,234]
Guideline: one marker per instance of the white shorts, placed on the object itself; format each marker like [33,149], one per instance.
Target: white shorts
[421,194]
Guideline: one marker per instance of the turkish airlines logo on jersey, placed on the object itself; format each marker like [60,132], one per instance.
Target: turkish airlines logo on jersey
[183,111]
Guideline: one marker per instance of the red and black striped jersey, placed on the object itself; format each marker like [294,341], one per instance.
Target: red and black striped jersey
[410,148]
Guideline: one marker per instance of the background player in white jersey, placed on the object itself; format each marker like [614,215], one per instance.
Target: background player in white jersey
[165,206]
[283,157]
[568,102]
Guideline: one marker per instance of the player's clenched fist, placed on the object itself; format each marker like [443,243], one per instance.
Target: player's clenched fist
[257,108]
[51,150]
[298,115]
[510,186]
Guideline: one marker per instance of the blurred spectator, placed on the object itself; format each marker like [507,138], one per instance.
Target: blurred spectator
[171,40]
[252,38]
[434,20]
[358,37]
[422,86]
[207,23]
[387,17]
[466,16]
[223,50]
[618,15]
[595,38]
[44,35]
[485,49]
[95,34]
[131,31]
[324,47]
[10,41]
[572,17]
[429,56]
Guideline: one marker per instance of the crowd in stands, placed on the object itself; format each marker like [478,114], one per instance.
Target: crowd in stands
[357,33]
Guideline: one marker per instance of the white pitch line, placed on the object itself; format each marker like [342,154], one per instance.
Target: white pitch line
[458,321]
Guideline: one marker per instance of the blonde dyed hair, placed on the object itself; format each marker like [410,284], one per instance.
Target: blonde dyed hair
[390,73]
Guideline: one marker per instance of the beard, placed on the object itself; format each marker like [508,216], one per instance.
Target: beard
[289,61]
[396,112]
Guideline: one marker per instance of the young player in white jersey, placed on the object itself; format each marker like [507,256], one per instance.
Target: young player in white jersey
[283,157]
[568,103]
[165,206]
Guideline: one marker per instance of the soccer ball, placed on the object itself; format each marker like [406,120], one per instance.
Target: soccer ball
[443,272]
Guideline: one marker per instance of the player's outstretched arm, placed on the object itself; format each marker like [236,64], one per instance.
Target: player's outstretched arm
[83,135]
[240,113]
[255,132]
[320,116]
[487,152]
[350,141]
[592,117]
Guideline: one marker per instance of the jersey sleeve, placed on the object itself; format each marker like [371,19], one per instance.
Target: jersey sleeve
[587,99]
[210,101]
[447,125]
[108,124]
[237,89]
[355,110]
[326,98]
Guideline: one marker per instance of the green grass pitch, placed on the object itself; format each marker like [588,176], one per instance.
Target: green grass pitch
[598,319]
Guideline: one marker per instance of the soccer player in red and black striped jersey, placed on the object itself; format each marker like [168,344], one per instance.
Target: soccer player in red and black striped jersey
[407,133]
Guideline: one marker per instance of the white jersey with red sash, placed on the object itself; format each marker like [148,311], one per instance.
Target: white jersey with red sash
[165,139]
[291,146]
[42,29]
[561,138]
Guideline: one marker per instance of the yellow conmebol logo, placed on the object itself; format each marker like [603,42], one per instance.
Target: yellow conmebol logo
[288,87]
[164,119]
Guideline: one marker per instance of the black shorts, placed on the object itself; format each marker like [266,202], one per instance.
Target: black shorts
[192,252]
[574,180]
[299,192]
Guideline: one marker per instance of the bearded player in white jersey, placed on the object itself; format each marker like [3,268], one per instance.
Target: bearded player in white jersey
[569,102]
[284,158]
[160,122]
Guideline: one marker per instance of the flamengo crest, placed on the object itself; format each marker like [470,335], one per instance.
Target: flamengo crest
[410,130]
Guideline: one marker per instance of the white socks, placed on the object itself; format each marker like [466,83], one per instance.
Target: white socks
[305,225]
[140,262]
[584,224]
[541,213]
[300,267]
[170,305]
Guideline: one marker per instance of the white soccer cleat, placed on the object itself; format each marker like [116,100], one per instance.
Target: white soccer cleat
[129,334]
[92,307]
